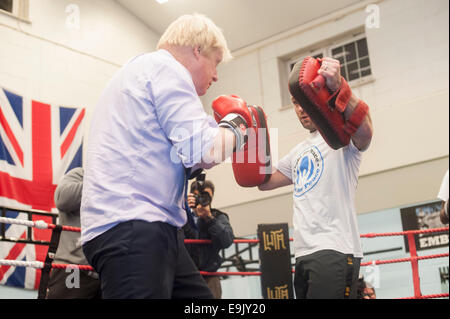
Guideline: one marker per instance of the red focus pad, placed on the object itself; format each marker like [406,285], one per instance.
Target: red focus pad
[252,166]
[356,118]
[324,109]
[343,96]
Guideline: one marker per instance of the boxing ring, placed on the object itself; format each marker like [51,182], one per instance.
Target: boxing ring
[413,259]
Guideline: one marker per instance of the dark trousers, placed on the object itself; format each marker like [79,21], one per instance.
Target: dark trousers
[89,287]
[142,260]
[326,274]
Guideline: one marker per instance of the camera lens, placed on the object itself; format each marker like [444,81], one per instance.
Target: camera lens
[203,199]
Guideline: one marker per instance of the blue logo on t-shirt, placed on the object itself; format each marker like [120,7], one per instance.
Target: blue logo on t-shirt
[307,171]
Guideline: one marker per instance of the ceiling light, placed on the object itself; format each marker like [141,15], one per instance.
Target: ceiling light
[161,1]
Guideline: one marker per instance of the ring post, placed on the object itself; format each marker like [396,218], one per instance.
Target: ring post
[414,265]
[275,259]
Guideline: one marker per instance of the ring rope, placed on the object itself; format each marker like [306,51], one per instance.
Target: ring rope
[38,264]
[401,260]
[407,232]
[428,296]
[43,225]
[18,263]
[40,224]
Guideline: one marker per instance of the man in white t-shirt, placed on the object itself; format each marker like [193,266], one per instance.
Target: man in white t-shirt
[443,195]
[326,237]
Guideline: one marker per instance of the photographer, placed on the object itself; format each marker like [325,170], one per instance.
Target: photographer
[211,224]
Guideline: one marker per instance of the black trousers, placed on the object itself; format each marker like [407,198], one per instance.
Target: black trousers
[326,274]
[141,260]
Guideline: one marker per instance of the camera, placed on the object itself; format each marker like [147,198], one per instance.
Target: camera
[202,198]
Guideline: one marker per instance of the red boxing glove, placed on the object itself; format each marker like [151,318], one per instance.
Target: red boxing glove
[231,111]
[251,159]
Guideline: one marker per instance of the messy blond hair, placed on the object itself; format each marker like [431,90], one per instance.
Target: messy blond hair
[195,30]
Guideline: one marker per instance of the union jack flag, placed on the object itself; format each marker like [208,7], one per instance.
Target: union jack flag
[39,143]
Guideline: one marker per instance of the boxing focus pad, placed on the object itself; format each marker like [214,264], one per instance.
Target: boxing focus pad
[251,161]
[323,107]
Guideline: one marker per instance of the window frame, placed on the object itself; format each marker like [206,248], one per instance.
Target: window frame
[11,12]
[349,40]
[20,10]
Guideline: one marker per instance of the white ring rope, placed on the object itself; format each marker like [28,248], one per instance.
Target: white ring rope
[40,224]
[18,263]
[40,264]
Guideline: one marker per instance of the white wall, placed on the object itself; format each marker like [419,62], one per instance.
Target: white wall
[45,60]
[408,98]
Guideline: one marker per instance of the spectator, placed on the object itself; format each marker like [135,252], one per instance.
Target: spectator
[67,200]
[214,225]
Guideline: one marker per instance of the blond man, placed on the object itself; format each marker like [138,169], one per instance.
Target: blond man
[149,132]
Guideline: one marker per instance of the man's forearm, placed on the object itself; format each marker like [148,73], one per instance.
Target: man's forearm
[223,148]
[277,179]
[363,135]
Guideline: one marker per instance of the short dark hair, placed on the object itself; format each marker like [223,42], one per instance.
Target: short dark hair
[208,184]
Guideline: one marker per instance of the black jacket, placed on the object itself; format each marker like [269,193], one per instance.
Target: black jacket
[218,230]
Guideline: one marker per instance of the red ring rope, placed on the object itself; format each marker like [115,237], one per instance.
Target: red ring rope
[409,233]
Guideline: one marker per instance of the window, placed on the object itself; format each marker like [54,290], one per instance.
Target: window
[352,53]
[15,8]
[354,59]
[6,5]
